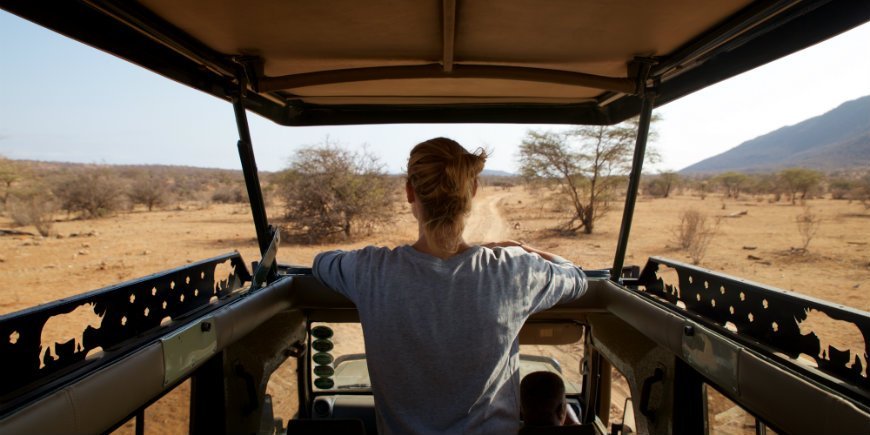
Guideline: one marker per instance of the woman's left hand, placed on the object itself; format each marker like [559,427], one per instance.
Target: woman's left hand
[503,244]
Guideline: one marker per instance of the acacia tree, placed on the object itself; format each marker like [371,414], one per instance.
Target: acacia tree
[799,180]
[588,162]
[766,184]
[663,184]
[670,181]
[330,191]
[733,183]
[703,187]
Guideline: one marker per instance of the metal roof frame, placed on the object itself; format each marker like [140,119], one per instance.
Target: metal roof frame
[764,31]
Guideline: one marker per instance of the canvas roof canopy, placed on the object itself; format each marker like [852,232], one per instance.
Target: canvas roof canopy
[386,61]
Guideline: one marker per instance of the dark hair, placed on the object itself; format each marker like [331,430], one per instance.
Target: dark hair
[542,397]
[443,174]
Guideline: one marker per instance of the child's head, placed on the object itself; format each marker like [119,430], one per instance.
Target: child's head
[542,397]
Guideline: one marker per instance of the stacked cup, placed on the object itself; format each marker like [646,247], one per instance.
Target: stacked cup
[323,359]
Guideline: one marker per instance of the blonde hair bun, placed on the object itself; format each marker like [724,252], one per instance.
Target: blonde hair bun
[443,175]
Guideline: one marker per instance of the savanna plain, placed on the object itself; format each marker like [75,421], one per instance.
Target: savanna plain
[755,239]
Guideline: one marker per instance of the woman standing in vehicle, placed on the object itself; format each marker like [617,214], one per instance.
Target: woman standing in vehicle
[441,318]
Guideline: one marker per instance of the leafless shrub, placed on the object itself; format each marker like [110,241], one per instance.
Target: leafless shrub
[687,231]
[695,233]
[808,224]
[33,206]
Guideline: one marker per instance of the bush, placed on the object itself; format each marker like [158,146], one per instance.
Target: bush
[34,206]
[657,188]
[661,185]
[842,188]
[93,193]
[149,190]
[9,174]
[695,233]
[229,194]
[331,192]
[863,192]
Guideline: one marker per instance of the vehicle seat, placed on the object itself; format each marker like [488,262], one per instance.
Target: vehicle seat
[582,429]
[350,427]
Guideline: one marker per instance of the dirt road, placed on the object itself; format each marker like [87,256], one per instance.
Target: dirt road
[486,224]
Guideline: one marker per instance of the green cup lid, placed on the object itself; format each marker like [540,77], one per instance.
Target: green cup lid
[323,358]
[322,332]
[324,383]
[322,345]
[324,371]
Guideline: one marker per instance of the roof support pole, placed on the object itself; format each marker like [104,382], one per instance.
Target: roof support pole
[252,180]
[647,104]
[448,19]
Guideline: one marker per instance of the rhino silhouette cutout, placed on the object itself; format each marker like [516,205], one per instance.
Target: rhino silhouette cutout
[58,332]
[840,342]
[223,274]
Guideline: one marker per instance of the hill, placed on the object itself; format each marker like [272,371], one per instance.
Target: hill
[496,173]
[838,139]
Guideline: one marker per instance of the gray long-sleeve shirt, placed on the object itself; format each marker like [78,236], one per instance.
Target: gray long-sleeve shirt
[441,335]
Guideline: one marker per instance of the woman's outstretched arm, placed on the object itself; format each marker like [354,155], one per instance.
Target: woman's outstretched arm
[544,254]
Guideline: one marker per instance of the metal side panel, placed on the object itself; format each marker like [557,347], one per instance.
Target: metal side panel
[237,320]
[91,404]
[659,324]
[763,385]
[794,405]
[713,356]
[785,326]
[60,340]
[187,348]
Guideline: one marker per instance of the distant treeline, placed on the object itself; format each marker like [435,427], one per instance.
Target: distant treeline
[31,193]
[792,184]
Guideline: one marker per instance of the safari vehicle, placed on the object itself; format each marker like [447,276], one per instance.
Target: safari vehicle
[673,330]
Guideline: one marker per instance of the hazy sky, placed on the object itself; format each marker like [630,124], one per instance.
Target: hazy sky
[64,101]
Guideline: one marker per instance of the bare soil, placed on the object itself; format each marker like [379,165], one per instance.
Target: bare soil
[89,254]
